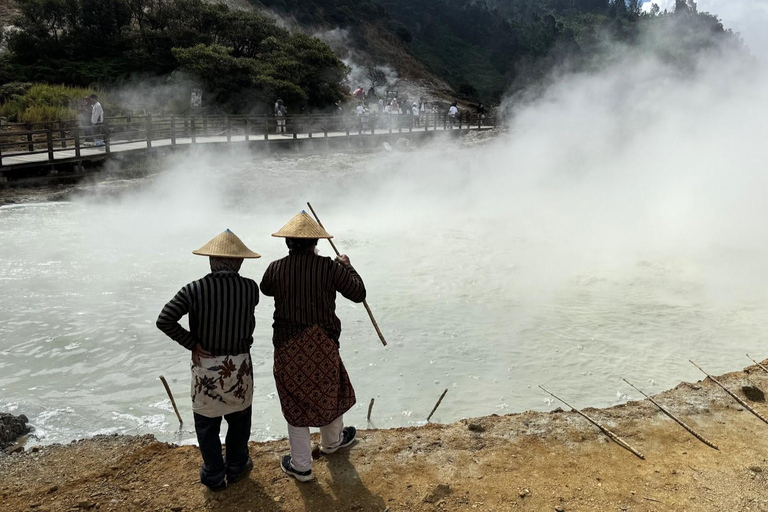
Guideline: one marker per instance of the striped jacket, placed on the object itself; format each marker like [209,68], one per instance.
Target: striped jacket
[304,286]
[220,308]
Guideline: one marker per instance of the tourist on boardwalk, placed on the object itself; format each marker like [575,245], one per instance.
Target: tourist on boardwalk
[220,308]
[280,113]
[97,120]
[480,114]
[452,113]
[84,115]
[311,380]
[416,114]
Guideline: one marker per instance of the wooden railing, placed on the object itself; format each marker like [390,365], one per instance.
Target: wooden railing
[21,139]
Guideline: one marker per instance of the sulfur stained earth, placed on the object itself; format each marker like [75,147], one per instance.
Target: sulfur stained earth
[524,462]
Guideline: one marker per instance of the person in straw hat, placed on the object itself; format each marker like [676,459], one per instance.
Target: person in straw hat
[221,322]
[311,380]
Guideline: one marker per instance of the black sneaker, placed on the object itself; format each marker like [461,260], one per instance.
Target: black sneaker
[347,438]
[287,467]
[217,488]
[244,473]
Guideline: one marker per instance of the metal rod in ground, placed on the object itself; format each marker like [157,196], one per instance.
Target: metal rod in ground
[437,405]
[370,408]
[596,423]
[678,420]
[741,402]
[758,364]
[173,402]
[365,302]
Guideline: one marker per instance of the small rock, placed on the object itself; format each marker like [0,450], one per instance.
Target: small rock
[14,449]
[52,489]
[177,509]
[438,493]
[559,409]
[755,469]
[278,499]
[34,505]
[559,509]
[35,449]
[86,505]
[476,427]
[524,493]
[753,393]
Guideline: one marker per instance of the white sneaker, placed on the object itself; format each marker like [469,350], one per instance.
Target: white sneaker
[347,438]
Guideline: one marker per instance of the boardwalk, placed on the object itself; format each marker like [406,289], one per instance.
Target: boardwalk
[45,146]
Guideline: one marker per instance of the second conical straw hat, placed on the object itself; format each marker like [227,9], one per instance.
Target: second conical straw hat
[226,245]
[302,226]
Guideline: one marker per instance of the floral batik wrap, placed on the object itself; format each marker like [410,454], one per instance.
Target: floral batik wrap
[222,385]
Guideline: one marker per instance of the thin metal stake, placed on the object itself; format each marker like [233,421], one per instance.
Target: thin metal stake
[173,402]
[741,402]
[678,420]
[437,405]
[604,430]
[370,408]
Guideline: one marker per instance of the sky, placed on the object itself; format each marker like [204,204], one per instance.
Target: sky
[748,17]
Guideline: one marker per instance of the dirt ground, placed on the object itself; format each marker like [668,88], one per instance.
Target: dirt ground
[522,462]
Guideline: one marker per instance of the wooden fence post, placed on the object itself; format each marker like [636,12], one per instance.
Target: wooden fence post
[229,129]
[205,126]
[30,142]
[148,130]
[173,130]
[49,135]
[192,130]
[247,128]
[77,141]
[266,128]
[62,134]
[107,137]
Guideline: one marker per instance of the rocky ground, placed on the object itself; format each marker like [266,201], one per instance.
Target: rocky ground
[523,462]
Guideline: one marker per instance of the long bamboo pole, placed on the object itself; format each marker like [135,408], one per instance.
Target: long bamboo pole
[437,405]
[603,429]
[758,364]
[365,302]
[741,402]
[173,402]
[678,420]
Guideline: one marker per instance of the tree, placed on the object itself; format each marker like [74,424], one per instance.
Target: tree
[375,75]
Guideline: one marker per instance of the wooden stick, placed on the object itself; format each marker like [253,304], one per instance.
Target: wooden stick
[437,405]
[370,408]
[603,429]
[365,302]
[741,402]
[173,402]
[678,420]
[758,364]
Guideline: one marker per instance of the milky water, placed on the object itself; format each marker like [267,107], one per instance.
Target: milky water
[486,300]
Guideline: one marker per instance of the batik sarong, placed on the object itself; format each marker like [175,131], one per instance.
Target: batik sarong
[311,380]
[222,385]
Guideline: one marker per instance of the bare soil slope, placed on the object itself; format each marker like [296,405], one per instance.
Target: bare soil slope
[522,462]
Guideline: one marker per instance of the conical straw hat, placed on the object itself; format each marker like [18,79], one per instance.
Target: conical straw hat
[302,226]
[226,245]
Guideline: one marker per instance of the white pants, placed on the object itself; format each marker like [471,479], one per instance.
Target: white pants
[280,125]
[301,445]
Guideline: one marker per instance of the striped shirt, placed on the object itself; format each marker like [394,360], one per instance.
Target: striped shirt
[304,286]
[220,308]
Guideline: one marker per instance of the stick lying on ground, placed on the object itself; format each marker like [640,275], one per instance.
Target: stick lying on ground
[758,364]
[741,402]
[365,302]
[173,402]
[437,405]
[604,430]
[370,408]
[678,420]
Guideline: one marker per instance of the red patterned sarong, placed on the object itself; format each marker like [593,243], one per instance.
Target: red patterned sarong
[311,380]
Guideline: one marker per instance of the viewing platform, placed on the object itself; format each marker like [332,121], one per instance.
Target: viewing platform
[32,148]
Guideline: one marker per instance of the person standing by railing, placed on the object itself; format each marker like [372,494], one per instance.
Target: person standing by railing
[415,113]
[97,119]
[452,113]
[84,116]
[281,113]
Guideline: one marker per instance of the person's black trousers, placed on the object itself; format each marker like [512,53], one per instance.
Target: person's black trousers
[215,468]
